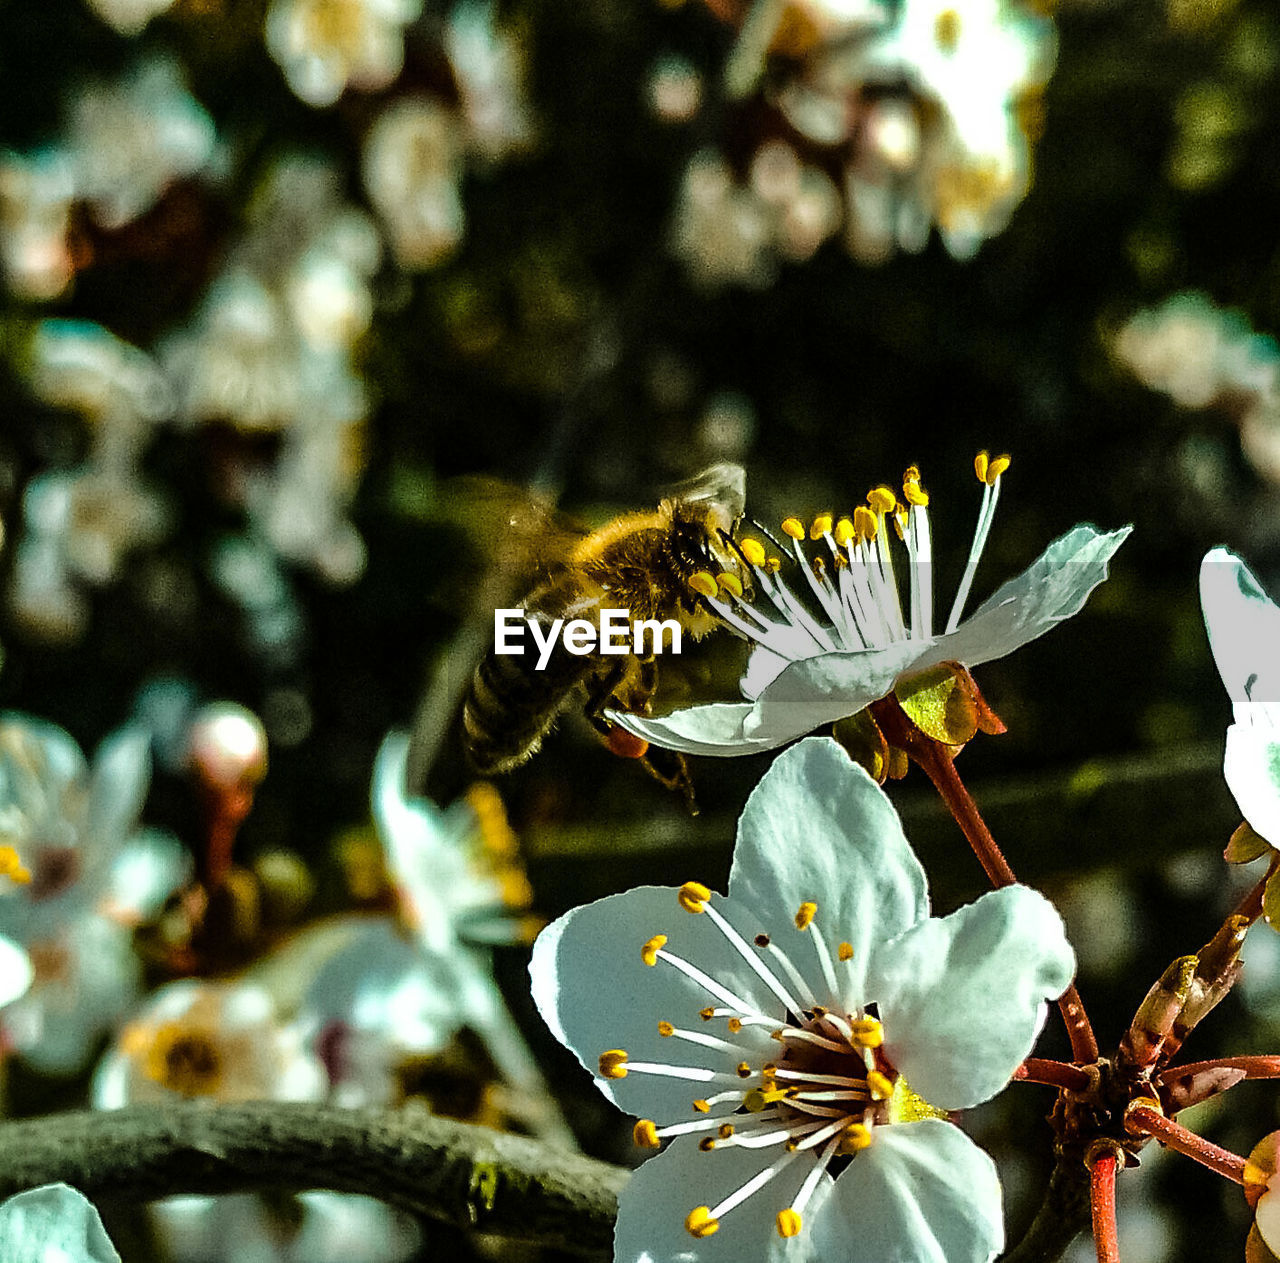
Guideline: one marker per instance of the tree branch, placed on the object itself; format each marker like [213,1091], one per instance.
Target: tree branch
[468,1176]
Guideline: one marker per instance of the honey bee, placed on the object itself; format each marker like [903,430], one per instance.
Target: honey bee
[640,563]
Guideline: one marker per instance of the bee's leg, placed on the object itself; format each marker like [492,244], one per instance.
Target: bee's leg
[668,767]
[601,690]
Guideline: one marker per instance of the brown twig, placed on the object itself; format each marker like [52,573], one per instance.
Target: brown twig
[464,1175]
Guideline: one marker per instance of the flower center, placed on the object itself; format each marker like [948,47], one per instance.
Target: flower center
[814,1082]
[185,1060]
[850,575]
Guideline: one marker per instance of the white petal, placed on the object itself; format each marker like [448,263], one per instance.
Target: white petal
[818,828]
[60,1020]
[401,823]
[714,730]
[1268,1215]
[382,981]
[151,867]
[826,688]
[596,993]
[57,749]
[963,998]
[653,1205]
[120,780]
[1244,628]
[15,971]
[1252,770]
[921,1193]
[1054,587]
[53,1224]
[763,667]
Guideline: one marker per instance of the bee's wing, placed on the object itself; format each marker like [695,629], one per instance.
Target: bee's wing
[521,534]
[723,488]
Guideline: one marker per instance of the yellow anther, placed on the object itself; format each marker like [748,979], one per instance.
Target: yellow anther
[729,583]
[882,500]
[760,1098]
[788,1223]
[865,523]
[805,914]
[698,1222]
[867,1032]
[880,1085]
[613,1064]
[693,896]
[703,583]
[706,1144]
[11,866]
[734,1024]
[855,1138]
[912,491]
[845,531]
[844,951]
[946,30]
[707,1014]
[900,521]
[645,1134]
[793,527]
[989,468]
[702,1107]
[725,1130]
[649,952]
[821,526]
[744,1070]
[773,565]
[753,551]
[665,1029]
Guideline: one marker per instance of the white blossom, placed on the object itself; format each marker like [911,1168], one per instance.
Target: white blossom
[808,670]
[813,1023]
[1244,633]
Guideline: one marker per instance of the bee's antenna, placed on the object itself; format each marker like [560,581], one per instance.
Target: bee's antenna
[764,530]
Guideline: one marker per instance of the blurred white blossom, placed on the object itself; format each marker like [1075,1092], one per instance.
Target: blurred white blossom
[129,17]
[919,111]
[94,875]
[80,523]
[270,349]
[412,169]
[128,140]
[325,47]
[1205,356]
[488,65]
[36,194]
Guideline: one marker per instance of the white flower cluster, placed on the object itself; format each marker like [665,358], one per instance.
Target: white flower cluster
[125,143]
[94,875]
[81,522]
[1205,356]
[415,153]
[270,350]
[224,1042]
[918,113]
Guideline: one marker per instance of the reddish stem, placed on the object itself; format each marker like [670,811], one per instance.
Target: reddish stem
[1142,1120]
[1254,1067]
[226,810]
[940,768]
[1057,1074]
[1102,1191]
[1251,905]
